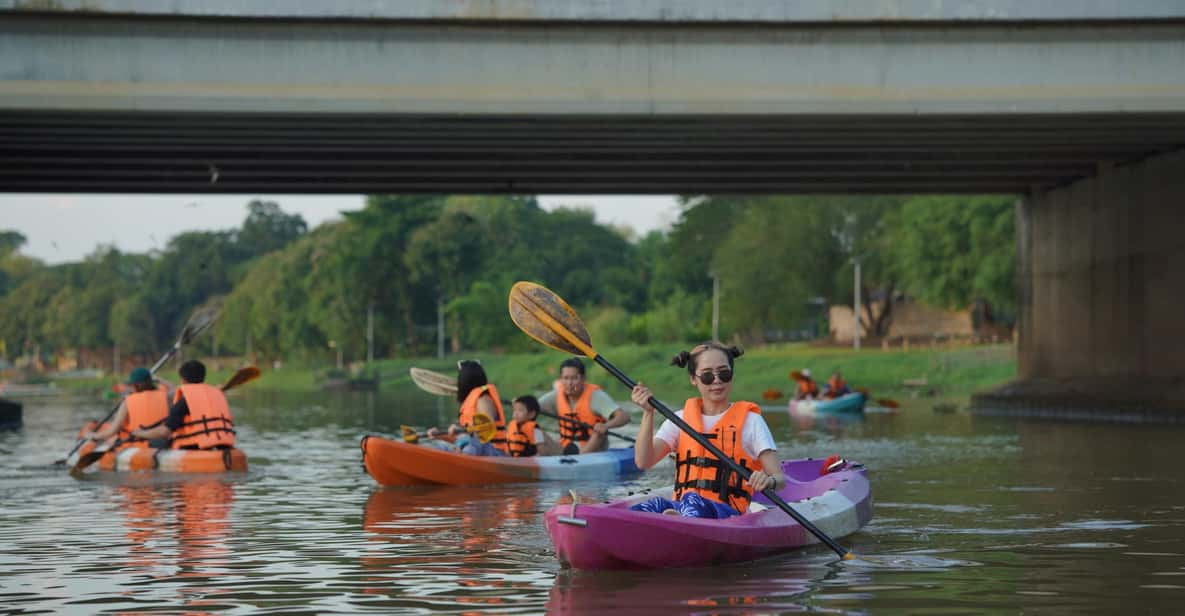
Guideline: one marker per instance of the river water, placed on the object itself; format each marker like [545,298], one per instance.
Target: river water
[971,515]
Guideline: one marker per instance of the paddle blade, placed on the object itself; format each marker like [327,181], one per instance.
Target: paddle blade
[888,403]
[409,434]
[484,428]
[244,375]
[772,394]
[548,319]
[198,322]
[434,382]
[796,375]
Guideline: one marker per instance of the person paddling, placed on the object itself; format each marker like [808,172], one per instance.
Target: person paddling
[199,417]
[705,487]
[807,388]
[524,437]
[477,396]
[146,407]
[581,404]
[836,386]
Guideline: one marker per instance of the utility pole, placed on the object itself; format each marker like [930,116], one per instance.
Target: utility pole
[370,333]
[115,360]
[715,306]
[440,326]
[856,308]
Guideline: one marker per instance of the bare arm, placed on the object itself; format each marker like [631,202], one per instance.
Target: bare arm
[113,426]
[770,475]
[648,451]
[161,431]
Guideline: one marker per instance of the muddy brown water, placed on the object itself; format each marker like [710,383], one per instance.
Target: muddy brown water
[971,515]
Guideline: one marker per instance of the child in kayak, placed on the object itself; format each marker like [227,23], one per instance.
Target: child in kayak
[523,436]
[704,487]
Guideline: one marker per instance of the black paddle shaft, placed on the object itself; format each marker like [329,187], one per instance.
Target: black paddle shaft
[732,464]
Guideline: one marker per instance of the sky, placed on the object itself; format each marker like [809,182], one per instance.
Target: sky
[67,227]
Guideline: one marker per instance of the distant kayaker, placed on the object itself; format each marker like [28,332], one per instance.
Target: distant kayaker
[199,418]
[523,437]
[706,488]
[581,404]
[836,386]
[146,407]
[807,388]
[477,395]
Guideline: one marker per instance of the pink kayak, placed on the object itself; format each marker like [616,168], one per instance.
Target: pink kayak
[611,536]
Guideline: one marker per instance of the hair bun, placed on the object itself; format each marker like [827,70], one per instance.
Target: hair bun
[681,359]
[735,351]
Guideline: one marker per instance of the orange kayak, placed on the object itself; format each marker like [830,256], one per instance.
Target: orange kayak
[165,460]
[396,463]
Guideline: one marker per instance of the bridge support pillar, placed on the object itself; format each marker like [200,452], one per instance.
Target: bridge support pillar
[1102,298]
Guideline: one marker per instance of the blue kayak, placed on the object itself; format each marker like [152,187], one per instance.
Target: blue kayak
[847,403]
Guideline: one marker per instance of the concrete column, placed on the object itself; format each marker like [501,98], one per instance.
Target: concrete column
[1102,297]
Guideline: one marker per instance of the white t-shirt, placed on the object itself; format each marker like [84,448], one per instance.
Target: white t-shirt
[600,403]
[539,438]
[755,436]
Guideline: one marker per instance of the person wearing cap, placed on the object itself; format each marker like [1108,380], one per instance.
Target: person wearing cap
[146,407]
[807,388]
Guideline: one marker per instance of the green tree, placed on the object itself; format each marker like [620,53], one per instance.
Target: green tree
[269,228]
[952,251]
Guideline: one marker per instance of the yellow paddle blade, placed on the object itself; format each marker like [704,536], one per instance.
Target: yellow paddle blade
[484,428]
[548,319]
[434,382]
[409,434]
[244,375]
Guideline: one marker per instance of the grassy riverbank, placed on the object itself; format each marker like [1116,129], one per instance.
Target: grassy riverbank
[955,371]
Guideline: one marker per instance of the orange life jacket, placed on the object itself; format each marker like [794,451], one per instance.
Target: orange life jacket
[834,387]
[697,470]
[807,387]
[469,409]
[576,423]
[209,423]
[146,409]
[521,439]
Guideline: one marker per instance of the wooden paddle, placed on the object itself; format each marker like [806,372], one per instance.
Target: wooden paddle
[198,322]
[243,376]
[483,427]
[441,385]
[885,402]
[548,319]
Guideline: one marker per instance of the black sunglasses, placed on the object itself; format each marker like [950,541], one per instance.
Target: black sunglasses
[709,377]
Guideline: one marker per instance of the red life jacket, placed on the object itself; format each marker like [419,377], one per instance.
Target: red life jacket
[146,409]
[469,409]
[521,439]
[209,423]
[697,470]
[576,423]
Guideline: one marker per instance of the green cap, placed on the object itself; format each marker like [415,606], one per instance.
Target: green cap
[140,375]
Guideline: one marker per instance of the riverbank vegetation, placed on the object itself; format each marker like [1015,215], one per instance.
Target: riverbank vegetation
[401,263]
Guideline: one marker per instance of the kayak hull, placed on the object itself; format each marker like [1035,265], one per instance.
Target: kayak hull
[396,463]
[611,536]
[847,403]
[162,460]
[175,460]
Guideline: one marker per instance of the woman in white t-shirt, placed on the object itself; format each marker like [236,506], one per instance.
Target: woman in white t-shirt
[705,487]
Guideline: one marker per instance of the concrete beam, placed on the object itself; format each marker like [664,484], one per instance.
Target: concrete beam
[123,64]
[626,11]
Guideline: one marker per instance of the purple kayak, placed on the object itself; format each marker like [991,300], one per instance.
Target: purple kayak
[611,536]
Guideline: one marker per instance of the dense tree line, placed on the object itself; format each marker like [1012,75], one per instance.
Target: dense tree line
[286,291]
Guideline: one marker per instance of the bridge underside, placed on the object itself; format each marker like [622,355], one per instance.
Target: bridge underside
[300,153]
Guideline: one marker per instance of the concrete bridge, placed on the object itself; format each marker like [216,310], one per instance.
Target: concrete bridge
[1077,107]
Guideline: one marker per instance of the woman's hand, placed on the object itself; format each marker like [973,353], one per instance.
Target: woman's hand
[641,396]
[760,481]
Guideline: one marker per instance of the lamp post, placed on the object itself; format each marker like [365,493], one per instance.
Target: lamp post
[856,307]
[715,305]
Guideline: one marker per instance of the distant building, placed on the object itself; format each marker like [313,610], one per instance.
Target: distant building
[914,321]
